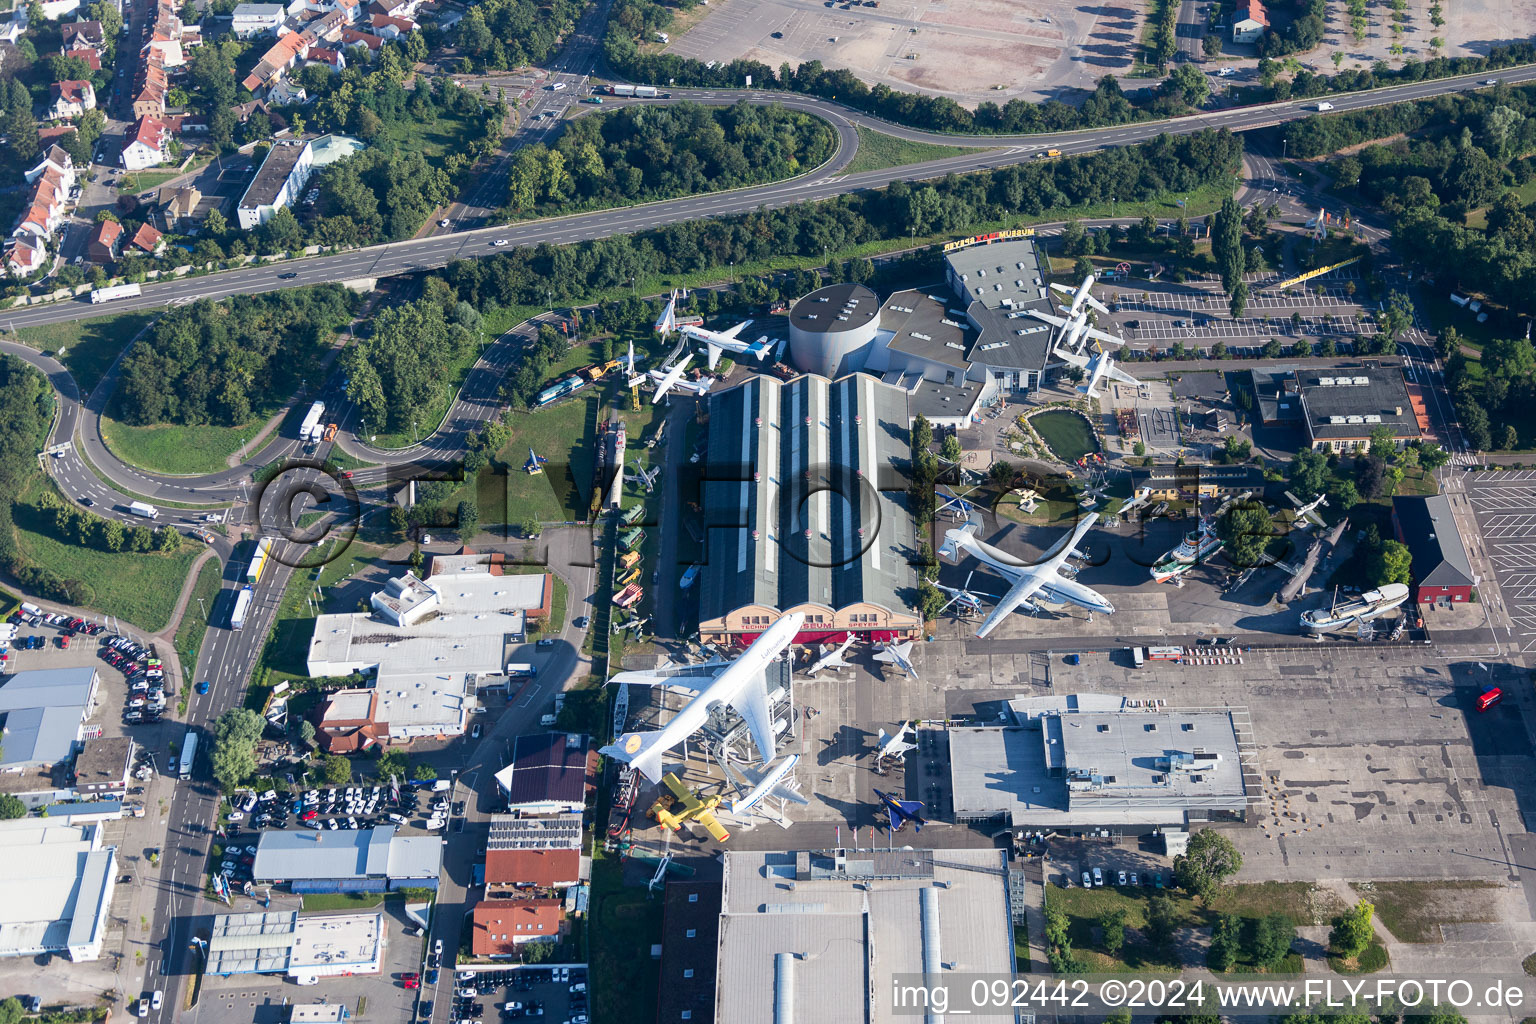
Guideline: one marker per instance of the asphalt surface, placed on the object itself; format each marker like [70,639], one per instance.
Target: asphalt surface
[434,251]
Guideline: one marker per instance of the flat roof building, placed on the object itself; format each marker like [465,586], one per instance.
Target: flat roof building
[103,765]
[360,860]
[805,510]
[430,643]
[998,279]
[301,946]
[44,710]
[1090,759]
[278,183]
[817,935]
[832,329]
[1342,408]
[1441,568]
[690,928]
[550,773]
[56,885]
[1171,482]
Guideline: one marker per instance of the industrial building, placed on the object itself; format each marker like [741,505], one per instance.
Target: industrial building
[431,643]
[1093,760]
[951,350]
[44,710]
[56,885]
[304,947]
[1441,569]
[550,773]
[533,853]
[1342,410]
[348,860]
[804,497]
[690,928]
[818,935]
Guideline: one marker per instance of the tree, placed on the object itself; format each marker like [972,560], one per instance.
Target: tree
[336,770]
[307,732]
[399,520]
[950,450]
[531,527]
[1309,473]
[1139,449]
[11,1010]
[1245,530]
[1432,456]
[1227,243]
[922,433]
[1113,923]
[391,763]
[1272,938]
[1382,444]
[1161,920]
[1474,424]
[1002,473]
[1352,931]
[421,771]
[1348,495]
[1226,935]
[1391,563]
[1212,45]
[233,757]
[1239,301]
[11,807]
[1057,925]
[537,950]
[1211,860]
[1189,84]
[469,520]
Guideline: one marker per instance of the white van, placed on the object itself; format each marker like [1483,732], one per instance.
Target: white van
[399,819]
[557,87]
[1324,106]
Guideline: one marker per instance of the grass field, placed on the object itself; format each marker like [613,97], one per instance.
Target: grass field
[342,900]
[89,346]
[139,587]
[434,139]
[194,621]
[1066,433]
[623,925]
[169,448]
[1414,911]
[877,150]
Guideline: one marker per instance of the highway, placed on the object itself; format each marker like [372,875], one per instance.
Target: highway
[434,251]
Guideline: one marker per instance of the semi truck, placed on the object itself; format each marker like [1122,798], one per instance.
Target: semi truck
[117,291]
[138,508]
[644,92]
[311,430]
[242,606]
[188,755]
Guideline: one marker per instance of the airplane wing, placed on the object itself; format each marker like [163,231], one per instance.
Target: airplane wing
[1065,289]
[1120,375]
[675,784]
[731,334]
[1068,356]
[1019,593]
[1100,336]
[1047,317]
[1055,559]
[752,705]
[1096,304]
[684,677]
[712,825]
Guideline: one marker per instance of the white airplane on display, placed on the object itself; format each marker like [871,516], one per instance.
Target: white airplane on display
[727,341]
[642,476]
[1080,295]
[1097,368]
[899,655]
[832,658]
[1307,510]
[1138,500]
[894,745]
[665,324]
[1044,578]
[672,377]
[760,785]
[741,683]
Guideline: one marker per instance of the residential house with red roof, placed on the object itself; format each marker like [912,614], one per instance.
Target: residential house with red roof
[104,243]
[500,926]
[71,98]
[1249,22]
[147,240]
[145,144]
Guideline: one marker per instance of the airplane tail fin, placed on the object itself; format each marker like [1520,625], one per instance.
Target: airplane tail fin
[955,541]
[640,750]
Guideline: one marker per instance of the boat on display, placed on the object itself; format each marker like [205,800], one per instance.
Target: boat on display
[1369,605]
[1197,546]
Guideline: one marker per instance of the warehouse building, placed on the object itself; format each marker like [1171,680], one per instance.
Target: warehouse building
[1342,409]
[44,710]
[804,496]
[690,929]
[305,947]
[56,886]
[430,644]
[833,329]
[1441,569]
[1093,760]
[348,860]
[817,935]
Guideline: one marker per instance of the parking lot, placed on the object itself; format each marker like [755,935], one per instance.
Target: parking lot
[1505,506]
[556,993]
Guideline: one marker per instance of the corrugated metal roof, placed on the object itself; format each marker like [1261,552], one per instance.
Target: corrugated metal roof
[307,853]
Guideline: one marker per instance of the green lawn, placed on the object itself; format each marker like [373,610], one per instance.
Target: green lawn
[435,139]
[878,150]
[138,587]
[170,448]
[194,621]
[89,346]
[341,900]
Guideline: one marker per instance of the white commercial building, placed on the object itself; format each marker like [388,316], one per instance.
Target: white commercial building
[278,183]
[816,935]
[251,20]
[305,947]
[56,884]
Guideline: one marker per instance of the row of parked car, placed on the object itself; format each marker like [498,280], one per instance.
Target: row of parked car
[145,673]
[1095,879]
[31,615]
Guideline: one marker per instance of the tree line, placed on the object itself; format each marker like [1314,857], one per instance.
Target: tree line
[500,34]
[225,362]
[634,21]
[644,153]
[573,272]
